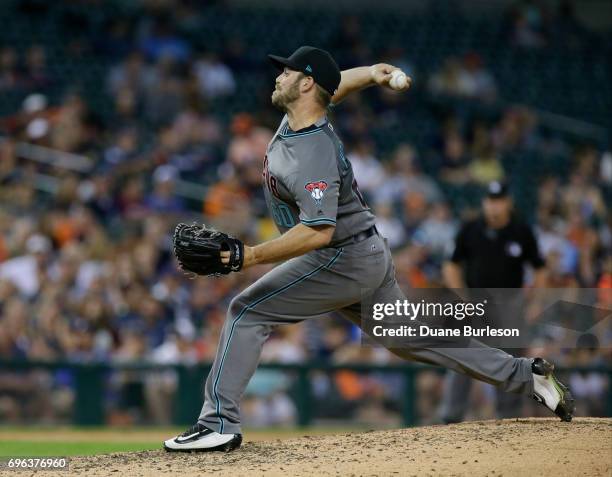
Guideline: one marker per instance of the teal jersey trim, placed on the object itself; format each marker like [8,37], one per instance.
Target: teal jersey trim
[307,133]
[318,221]
[252,305]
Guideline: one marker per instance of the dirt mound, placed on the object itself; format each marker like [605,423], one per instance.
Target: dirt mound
[509,447]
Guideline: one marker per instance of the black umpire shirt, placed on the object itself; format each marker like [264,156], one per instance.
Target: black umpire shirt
[495,258]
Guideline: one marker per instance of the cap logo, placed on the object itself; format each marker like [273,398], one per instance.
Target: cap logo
[309,69]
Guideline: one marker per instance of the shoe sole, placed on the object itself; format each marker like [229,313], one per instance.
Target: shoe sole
[567,404]
[227,447]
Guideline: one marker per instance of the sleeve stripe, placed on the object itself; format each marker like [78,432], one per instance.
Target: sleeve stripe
[316,221]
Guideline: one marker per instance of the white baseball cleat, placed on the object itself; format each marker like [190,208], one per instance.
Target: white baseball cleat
[200,438]
[550,392]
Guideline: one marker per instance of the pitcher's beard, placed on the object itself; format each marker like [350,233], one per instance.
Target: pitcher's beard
[283,99]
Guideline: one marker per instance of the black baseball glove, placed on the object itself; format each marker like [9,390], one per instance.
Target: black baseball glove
[198,250]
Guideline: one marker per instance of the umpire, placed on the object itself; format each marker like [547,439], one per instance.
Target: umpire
[490,252]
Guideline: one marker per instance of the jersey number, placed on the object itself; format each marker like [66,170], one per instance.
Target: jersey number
[282,215]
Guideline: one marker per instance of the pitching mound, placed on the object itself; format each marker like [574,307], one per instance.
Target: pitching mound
[511,447]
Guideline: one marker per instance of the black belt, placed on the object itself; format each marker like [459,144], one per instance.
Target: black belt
[360,237]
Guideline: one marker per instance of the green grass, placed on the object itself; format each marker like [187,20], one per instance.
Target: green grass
[72,441]
[67,448]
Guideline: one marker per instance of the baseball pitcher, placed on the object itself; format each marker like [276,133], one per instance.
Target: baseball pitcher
[330,250]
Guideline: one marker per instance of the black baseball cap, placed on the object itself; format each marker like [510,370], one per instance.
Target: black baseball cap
[312,62]
[497,190]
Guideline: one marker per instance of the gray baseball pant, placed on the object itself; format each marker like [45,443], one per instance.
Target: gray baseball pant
[456,399]
[321,281]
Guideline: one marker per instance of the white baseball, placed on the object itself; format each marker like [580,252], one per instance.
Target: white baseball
[398,80]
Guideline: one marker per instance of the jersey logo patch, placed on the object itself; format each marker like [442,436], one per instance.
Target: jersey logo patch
[316,190]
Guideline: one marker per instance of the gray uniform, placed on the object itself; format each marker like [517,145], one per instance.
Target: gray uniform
[308,180]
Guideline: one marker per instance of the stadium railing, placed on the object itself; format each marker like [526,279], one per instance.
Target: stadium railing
[89,384]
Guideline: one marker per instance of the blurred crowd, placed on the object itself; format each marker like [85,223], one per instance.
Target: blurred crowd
[89,203]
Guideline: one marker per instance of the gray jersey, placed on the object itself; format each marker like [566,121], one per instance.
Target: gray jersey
[308,179]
